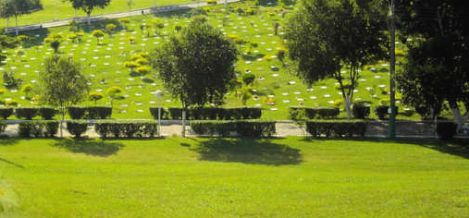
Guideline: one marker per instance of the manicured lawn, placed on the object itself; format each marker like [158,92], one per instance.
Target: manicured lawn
[176,177]
[59,9]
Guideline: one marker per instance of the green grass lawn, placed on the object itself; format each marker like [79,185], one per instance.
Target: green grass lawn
[196,177]
[59,9]
[275,89]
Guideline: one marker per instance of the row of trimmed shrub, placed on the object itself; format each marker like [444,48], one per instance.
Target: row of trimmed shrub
[120,129]
[38,128]
[47,113]
[238,128]
[336,128]
[92,113]
[209,113]
[359,111]
[305,113]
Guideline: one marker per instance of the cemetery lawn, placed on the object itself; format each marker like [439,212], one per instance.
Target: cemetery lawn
[202,177]
[59,10]
[276,88]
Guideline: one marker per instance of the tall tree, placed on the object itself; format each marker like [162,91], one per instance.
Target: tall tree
[89,5]
[62,84]
[16,8]
[196,65]
[438,58]
[335,39]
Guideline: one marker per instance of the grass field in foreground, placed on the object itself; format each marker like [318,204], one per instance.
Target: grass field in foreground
[176,177]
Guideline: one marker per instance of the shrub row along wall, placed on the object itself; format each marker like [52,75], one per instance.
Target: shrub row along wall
[47,113]
[38,128]
[119,129]
[336,128]
[239,128]
[93,113]
[305,113]
[210,113]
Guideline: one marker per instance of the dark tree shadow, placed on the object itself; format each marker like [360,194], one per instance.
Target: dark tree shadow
[35,37]
[11,163]
[249,151]
[456,147]
[5,141]
[90,147]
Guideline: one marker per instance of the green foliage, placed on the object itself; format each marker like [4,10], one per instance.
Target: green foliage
[201,80]
[62,83]
[38,129]
[26,113]
[305,113]
[89,5]
[95,96]
[6,112]
[248,78]
[446,130]
[361,110]
[47,113]
[127,129]
[324,37]
[77,128]
[76,113]
[3,126]
[94,113]
[336,128]
[209,113]
[98,34]
[240,128]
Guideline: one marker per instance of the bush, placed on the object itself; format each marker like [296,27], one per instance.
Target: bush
[6,112]
[96,113]
[47,113]
[164,113]
[446,130]
[210,113]
[240,128]
[77,128]
[302,113]
[76,113]
[127,129]
[361,110]
[26,113]
[38,129]
[383,112]
[327,113]
[336,128]
[3,126]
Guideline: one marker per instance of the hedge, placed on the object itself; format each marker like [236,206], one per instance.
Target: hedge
[48,113]
[6,112]
[209,113]
[336,128]
[305,113]
[93,113]
[77,127]
[361,110]
[26,113]
[127,129]
[446,130]
[38,128]
[240,128]
[382,112]
[3,126]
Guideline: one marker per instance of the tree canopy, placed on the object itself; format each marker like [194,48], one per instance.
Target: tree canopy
[437,69]
[16,8]
[336,38]
[89,5]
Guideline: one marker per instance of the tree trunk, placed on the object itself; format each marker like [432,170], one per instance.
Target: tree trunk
[184,122]
[348,106]
[62,121]
[89,18]
[16,29]
[458,118]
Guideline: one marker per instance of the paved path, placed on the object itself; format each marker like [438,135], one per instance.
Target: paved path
[376,129]
[154,10]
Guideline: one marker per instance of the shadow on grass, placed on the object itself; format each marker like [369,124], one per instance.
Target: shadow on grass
[456,147]
[5,141]
[90,147]
[11,163]
[250,151]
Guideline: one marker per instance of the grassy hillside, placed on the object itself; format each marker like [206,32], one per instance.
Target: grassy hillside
[232,178]
[276,87]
